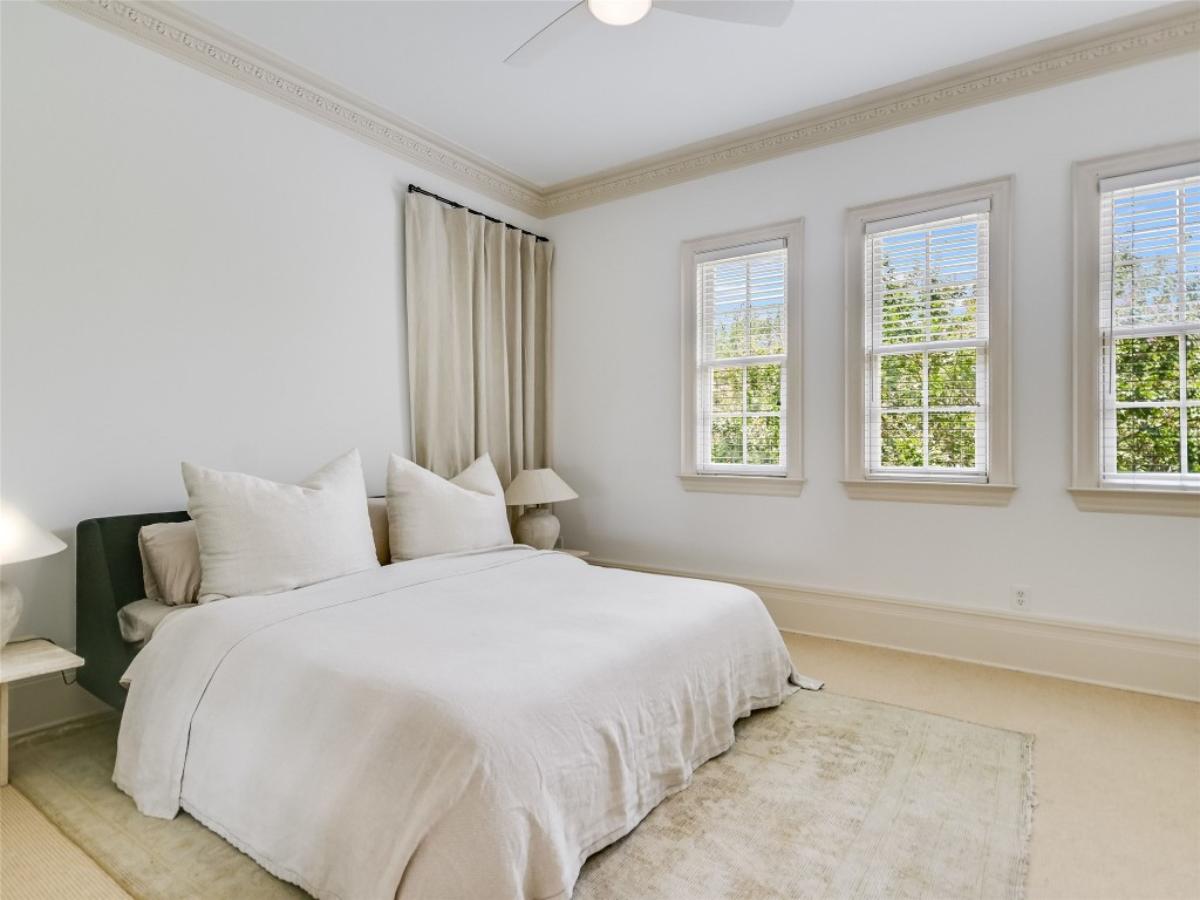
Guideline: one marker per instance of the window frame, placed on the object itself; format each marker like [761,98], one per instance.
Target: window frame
[996,487]
[690,476]
[1088,488]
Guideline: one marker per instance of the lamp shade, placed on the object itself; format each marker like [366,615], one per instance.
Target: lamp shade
[535,486]
[21,540]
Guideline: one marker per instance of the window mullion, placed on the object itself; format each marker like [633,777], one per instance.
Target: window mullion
[927,303]
[1181,286]
[925,409]
[745,403]
[873,427]
[1183,409]
[1108,344]
[949,344]
[747,349]
[735,361]
[982,409]
[748,317]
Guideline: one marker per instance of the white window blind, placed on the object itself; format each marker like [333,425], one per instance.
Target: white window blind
[925,283]
[1150,328]
[741,360]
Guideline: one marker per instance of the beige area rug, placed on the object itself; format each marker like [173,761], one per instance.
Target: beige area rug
[825,796]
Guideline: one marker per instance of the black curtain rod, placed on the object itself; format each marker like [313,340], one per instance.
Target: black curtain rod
[413,189]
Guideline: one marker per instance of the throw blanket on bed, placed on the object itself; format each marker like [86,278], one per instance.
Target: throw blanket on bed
[464,726]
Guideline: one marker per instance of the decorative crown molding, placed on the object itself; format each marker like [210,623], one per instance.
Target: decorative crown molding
[1163,31]
[172,31]
[1159,32]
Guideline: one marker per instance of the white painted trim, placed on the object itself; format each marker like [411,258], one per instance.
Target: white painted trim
[792,233]
[46,701]
[963,493]
[743,484]
[55,728]
[1138,501]
[1147,661]
[998,193]
[1151,176]
[1086,489]
[1130,40]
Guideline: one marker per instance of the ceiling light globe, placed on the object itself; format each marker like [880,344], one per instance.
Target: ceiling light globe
[619,12]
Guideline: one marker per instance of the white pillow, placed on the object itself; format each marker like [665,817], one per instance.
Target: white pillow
[428,514]
[261,537]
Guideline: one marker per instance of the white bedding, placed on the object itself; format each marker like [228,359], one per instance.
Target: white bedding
[460,726]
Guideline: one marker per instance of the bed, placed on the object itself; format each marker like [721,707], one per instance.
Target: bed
[468,725]
[108,577]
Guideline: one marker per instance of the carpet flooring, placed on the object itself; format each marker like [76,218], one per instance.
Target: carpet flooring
[827,795]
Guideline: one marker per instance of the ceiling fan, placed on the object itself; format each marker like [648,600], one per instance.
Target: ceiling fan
[770,13]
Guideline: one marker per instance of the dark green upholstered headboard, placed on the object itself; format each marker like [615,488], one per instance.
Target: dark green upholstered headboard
[108,575]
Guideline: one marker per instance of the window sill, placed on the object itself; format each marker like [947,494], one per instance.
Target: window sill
[1138,501]
[782,486]
[965,493]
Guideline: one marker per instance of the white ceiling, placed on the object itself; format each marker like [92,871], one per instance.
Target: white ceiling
[612,95]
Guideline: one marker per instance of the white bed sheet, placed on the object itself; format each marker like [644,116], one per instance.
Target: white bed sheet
[140,619]
[464,726]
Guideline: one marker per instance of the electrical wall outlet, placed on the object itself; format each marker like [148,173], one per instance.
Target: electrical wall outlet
[1020,596]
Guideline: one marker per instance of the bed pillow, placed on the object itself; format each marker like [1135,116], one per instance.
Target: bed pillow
[428,514]
[262,537]
[170,562]
[171,555]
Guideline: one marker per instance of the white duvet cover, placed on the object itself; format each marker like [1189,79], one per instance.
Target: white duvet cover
[469,726]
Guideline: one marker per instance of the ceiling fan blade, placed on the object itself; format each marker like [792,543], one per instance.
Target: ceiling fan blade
[771,13]
[552,34]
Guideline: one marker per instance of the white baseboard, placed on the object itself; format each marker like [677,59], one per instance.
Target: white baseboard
[1149,662]
[46,702]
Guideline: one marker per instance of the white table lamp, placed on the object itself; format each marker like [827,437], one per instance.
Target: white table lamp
[538,527]
[20,540]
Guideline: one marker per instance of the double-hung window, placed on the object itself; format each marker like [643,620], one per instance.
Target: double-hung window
[1138,339]
[1150,327]
[927,341]
[926,335]
[741,375]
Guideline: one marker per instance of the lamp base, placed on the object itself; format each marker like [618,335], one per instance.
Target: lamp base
[538,528]
[11,605]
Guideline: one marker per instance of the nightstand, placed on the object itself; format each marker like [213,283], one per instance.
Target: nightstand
[21,660]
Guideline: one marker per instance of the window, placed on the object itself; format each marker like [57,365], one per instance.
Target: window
[927,328]
[926,345]
[1150,327]
[741,378]
[1138,332]
[742,337]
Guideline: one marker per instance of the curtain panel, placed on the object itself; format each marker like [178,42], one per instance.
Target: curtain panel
[478,298]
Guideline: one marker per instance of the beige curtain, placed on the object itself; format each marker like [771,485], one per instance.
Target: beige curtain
[478,296]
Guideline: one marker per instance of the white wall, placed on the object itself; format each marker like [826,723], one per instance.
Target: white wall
[617,337]
[189,271]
